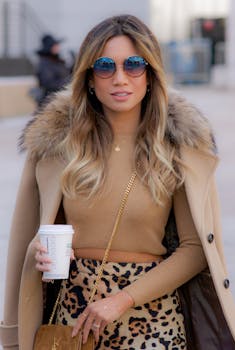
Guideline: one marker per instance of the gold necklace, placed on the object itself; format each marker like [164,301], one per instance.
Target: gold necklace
[117,148]
[118,145]
[122,141]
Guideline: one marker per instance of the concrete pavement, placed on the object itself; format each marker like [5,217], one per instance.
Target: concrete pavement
[217,105]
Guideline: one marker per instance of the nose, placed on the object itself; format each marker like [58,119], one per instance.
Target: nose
[120,76]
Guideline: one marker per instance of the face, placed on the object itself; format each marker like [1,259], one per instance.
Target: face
[121,92]
[55,49]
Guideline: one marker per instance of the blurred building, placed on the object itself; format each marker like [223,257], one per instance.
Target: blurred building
[171,20]
[195,35]
[24,22]
[230,48]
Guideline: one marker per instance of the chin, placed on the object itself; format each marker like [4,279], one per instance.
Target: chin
[123,108]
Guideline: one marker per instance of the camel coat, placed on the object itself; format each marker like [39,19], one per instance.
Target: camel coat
[40,195]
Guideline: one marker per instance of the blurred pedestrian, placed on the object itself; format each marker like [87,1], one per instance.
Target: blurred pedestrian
[52,72]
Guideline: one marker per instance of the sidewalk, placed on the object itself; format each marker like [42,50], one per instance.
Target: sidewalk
[217,105]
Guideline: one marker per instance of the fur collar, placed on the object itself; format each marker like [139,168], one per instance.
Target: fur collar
[186,126]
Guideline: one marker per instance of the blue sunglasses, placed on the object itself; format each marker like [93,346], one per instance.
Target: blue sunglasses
[105,67]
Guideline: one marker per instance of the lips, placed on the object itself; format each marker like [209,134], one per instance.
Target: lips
[121,96]
[121,93]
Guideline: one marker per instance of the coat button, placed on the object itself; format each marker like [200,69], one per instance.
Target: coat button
[210,237]
[226,283]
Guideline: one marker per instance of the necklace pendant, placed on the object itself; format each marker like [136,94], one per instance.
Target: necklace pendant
[117,148]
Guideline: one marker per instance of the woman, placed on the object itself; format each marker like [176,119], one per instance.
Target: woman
[83,148]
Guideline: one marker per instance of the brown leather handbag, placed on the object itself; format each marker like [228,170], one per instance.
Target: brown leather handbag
[59,337]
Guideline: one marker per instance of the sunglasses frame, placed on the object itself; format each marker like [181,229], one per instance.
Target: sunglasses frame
[123,65]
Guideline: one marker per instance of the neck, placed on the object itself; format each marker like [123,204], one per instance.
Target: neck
[124,122]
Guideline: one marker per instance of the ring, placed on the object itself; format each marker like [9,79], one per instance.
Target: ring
[95,325]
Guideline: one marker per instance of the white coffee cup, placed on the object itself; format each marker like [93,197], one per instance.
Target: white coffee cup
[57,239]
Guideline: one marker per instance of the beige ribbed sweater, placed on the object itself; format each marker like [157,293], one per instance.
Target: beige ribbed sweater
[141,228]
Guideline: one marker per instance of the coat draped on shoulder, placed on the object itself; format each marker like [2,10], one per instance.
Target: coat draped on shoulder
[39,200]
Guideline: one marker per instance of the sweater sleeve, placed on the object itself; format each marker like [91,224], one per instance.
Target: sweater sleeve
[187,261]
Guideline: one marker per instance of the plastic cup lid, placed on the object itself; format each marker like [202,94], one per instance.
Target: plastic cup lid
[58,229]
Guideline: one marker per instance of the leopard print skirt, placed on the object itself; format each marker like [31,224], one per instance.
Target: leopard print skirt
[155,325]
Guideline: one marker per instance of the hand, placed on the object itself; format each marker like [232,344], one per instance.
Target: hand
[98,314]
[43,262]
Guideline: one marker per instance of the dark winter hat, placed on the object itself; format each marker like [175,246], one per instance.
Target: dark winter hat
[47,42]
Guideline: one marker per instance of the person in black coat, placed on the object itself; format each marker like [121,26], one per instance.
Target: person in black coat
[52,72]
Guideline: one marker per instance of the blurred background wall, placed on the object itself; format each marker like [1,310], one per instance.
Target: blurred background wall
[197,38]
[24,22]
[172,20]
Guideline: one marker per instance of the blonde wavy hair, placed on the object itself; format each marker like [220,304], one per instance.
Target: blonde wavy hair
[89,143]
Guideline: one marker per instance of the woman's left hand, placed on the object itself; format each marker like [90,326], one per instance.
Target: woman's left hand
[98,314]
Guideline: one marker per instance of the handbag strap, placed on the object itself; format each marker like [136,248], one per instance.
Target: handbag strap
[107,250]
[115,227]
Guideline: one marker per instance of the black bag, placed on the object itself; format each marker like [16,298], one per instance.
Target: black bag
[205,325]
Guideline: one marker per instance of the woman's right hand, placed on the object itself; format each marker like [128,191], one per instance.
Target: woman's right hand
[43,262]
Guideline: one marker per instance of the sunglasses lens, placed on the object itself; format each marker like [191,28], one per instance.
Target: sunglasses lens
[135,66]
[104,67]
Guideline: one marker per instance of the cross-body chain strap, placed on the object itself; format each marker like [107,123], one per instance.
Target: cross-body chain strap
[115,227]
[107,250]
